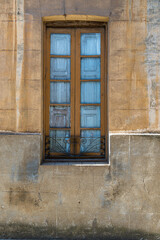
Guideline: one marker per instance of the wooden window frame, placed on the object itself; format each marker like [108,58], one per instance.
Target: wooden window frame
[64,26]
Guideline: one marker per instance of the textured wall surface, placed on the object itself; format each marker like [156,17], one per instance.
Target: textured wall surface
[120,200]
[77,201]
[133,61]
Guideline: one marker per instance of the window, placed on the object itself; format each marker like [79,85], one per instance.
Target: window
[75,94]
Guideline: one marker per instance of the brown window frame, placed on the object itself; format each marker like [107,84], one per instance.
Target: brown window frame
[75,28]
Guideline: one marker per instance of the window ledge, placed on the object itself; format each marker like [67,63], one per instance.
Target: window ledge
[78,164]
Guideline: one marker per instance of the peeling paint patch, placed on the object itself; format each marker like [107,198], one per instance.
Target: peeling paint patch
[28,169]
[153,61]
[20,54]
[32,170]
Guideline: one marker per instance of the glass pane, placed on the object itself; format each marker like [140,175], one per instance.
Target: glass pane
[90,44]
[60,69]
[90,68]
[90,117]
[60,141]
[59,116]
[90,92]
[60,44]
[90,141]
[59,92]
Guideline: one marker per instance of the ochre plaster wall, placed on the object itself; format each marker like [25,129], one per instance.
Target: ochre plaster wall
[133,66]
[120,199]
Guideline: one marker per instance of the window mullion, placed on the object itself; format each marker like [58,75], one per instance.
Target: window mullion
[72,90]
[77,94]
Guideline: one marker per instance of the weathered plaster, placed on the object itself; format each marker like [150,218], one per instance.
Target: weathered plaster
[76,201]
[20,55]
[153,62]
[126,54]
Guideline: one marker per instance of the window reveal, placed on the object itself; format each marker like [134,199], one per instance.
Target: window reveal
[75,94]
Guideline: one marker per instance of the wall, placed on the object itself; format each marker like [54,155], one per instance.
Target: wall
[117,200]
